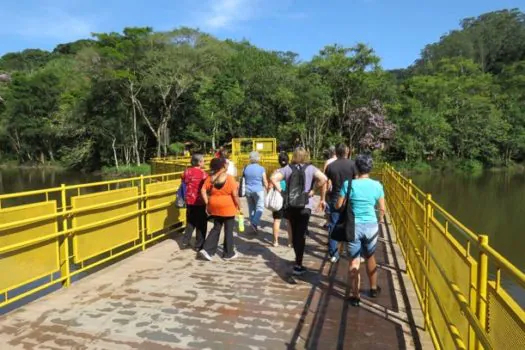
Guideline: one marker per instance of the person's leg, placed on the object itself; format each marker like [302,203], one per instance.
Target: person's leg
[228,248]
[259,207]
[333,250]
[289,230]
[369,247]
[354,250]
[190,226]
[201,225]
[276,226]
[251,206]
[212,241]
[299,234]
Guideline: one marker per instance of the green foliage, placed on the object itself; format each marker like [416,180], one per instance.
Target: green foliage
[120,98]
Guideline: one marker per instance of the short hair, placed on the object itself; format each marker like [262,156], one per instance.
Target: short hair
[196,158]
[254,157]
[331,151]
[364,163]
[341,150]
[283,159]
[217,164]
[300,156]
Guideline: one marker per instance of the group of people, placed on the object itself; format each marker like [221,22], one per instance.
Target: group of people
[215,197]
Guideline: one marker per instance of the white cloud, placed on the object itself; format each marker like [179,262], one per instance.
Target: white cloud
[224,13]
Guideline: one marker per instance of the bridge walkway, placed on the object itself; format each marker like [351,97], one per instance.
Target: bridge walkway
[165,298]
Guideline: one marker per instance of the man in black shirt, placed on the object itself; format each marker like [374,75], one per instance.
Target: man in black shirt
[337,172]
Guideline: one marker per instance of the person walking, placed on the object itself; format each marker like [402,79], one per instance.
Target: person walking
[299,176]
[256,185]
[281,214]
[337,172]
[231,168]
[196,217]
[365,195]
[220,195]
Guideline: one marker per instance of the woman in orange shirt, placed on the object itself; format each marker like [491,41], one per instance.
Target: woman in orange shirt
[220,195]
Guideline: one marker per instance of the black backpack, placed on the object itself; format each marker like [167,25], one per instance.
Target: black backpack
[296,197]
[344,229]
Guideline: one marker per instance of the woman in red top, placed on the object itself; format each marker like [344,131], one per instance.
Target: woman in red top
[196,217]
[220,195]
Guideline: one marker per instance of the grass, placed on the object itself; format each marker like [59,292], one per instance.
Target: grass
[127,170]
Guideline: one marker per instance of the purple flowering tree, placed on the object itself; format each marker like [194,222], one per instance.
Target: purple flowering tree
[369,128]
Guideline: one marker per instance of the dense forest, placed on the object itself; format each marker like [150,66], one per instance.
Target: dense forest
[121,98]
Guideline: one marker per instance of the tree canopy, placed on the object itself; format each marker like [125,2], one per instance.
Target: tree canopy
[121,98]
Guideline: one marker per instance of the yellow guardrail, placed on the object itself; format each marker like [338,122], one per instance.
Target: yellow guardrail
[56,235]
[464,306]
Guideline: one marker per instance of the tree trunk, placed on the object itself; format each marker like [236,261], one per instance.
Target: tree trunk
[115,151]
[135,137]
[51,155]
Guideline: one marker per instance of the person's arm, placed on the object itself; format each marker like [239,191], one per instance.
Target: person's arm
[235,196]
[382,208]
[265,181]
[204,193]
[276,179]
[342,196]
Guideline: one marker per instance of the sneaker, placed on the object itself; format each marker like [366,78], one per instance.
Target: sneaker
[275,243]
[254,228]
[354,301]
[205,255]
[334,259]
[299,270]
[375,292]
[235,255]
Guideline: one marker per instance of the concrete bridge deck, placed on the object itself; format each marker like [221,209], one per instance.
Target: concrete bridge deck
[164,298]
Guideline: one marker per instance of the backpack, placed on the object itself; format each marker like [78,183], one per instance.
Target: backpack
[274,200]
[344,228]
[180,201]
[296,197]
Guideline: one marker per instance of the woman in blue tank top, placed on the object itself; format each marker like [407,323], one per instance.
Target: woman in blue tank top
[365,195]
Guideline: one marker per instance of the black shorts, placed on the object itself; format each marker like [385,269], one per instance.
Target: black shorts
[280,214]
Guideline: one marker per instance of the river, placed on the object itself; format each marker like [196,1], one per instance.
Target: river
[492,203]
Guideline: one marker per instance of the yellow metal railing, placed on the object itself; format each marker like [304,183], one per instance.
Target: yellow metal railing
[463,306]
[55,236]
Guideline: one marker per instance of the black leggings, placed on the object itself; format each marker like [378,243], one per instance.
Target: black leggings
[299,219]
[212,241]
[196,219]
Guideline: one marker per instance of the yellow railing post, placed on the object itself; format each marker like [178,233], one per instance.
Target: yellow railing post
[142,206]
[483,263]
[426,255]
[64,241]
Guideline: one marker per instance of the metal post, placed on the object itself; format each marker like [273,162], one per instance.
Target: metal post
[426,255]
[64,242]
[483,263]
[142,206]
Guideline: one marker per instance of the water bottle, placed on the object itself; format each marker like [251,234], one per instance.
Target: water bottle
[241,222]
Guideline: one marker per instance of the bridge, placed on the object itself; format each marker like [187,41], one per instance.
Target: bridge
[98,266]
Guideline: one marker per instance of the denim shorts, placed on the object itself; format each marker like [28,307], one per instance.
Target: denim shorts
[365,240]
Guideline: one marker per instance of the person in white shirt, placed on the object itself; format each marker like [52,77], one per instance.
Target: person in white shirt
[232,169]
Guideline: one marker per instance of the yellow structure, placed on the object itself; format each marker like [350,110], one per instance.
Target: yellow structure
[265,146]
[55,235]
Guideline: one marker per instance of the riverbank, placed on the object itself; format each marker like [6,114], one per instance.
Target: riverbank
[125,171]
[468,167]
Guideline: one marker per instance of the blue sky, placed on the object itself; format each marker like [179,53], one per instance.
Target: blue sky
[396,29]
